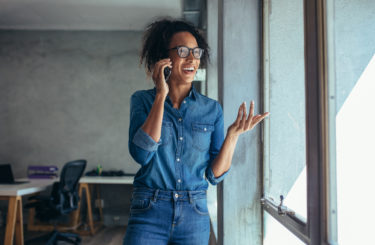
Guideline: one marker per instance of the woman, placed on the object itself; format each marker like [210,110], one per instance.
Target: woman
[177,136]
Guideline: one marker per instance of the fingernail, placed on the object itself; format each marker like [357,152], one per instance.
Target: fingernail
[252,102]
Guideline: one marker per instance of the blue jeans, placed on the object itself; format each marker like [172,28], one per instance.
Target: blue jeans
[168,217]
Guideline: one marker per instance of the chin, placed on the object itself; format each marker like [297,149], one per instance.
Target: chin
[186,79]
[183,79]
[189,80]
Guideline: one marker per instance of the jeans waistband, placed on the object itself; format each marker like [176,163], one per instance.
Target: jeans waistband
[156,194]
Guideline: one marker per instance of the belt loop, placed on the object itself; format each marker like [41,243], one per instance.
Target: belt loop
[190,197]
[155,195]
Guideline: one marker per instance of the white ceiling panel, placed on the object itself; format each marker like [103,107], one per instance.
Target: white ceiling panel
[84,14]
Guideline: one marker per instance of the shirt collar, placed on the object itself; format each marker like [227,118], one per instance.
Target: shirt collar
[193,94]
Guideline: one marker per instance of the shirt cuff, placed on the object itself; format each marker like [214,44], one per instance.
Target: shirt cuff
[215,180]
[144,141]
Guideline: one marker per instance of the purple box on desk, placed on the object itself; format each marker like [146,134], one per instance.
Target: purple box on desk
[42,172]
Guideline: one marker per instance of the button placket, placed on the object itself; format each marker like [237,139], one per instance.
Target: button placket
[178,153]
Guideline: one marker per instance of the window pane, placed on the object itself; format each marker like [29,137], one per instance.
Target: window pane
[353,71]
[285,170]
[276,233]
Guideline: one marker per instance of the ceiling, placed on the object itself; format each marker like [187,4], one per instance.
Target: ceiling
[84,14]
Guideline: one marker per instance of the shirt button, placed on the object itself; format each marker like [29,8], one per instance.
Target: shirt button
[176,195]
[178,159]
[184,101]
[180,119]
[181,138]
[179,180]
[205,129]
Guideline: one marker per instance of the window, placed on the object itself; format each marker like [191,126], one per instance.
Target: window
[351,69]
[299,147]
[284,96]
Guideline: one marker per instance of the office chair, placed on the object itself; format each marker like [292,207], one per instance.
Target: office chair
[62,201]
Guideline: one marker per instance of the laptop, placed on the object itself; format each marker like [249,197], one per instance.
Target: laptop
[6,175]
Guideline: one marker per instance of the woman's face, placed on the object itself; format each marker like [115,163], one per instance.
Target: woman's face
[183,69]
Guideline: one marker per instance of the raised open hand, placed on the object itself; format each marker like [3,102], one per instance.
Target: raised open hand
[244,123]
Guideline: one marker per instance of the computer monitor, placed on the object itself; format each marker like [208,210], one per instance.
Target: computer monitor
[6,175]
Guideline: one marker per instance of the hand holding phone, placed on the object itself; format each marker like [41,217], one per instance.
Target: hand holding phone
[161,74]
[167,73]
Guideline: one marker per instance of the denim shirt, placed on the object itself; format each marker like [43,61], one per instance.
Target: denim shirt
[191,138]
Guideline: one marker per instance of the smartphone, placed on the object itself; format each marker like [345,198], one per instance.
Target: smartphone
[167,73]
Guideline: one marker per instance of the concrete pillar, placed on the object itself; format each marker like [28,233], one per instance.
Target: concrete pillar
[239,76]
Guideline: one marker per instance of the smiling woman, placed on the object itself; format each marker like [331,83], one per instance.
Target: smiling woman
[171,174]
[177,136]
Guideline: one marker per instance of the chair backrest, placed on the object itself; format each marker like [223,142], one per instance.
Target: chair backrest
[67,191]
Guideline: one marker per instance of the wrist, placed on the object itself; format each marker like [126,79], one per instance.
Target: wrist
[232,137]
[160,95]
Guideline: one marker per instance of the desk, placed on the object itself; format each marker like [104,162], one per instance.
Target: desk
[85,183]
[13,193]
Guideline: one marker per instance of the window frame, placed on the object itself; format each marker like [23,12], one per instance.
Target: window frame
[320,226]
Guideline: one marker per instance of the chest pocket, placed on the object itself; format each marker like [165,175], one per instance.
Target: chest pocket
[202,135]
[166,133]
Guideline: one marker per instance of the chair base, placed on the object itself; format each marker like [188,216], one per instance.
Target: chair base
[55,236]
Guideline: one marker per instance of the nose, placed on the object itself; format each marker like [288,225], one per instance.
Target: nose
[190,56]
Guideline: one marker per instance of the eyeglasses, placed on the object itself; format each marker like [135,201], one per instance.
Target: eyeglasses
[184,51]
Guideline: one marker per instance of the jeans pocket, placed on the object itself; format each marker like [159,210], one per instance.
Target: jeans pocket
[140,205]
[202,135]
[200,206]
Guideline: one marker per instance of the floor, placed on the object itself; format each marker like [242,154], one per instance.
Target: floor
[112,235]
[108,235]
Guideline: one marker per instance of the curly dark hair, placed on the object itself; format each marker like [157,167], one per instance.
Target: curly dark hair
[157,38]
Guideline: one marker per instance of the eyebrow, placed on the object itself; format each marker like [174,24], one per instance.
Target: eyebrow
[185,46]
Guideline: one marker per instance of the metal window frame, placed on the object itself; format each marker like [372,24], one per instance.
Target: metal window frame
[321,226]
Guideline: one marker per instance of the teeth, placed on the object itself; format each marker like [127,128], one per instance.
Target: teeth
[189,69]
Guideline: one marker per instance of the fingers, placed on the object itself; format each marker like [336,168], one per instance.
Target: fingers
[244,116]
[251,115]
[264,115]
[252,120]
[239,116]
[243,122]
[161,68]
[258,118]
[158,72]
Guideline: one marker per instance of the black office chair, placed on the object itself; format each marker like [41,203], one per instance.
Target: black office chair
[62,201]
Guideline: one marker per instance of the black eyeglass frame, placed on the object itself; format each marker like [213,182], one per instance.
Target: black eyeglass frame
[190,49]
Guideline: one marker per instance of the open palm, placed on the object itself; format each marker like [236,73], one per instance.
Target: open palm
[244,122]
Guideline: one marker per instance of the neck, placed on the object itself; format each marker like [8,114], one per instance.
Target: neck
[178,92]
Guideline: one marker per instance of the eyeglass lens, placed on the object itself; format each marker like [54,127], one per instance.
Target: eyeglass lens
[183,52]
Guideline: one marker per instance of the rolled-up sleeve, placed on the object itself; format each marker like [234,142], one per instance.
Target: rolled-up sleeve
[217,139]
[211,177]
[144,141]
[141,146]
